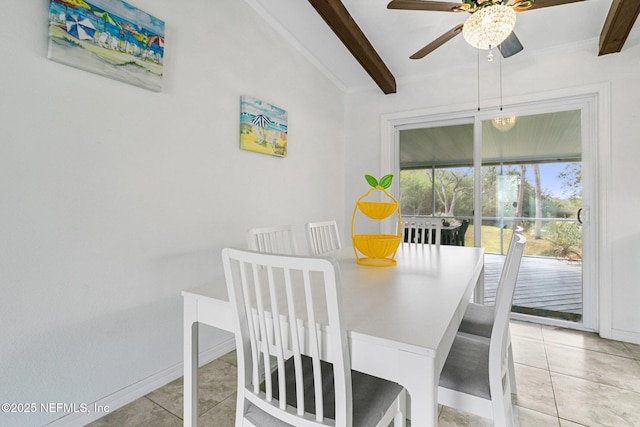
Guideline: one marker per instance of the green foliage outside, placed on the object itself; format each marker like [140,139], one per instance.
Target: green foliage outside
[454,192]
[448,193]
[566,238]
[554,246]
[453,195]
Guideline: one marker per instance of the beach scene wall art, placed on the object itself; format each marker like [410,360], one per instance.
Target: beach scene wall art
[108,37]
[263,127]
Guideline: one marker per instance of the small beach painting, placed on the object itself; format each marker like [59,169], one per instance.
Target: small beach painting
[108,37]
[263,127]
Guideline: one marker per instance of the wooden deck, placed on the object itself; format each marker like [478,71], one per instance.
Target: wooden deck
[546,286]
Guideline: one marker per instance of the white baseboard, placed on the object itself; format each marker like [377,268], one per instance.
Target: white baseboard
[626,336]
[141,388]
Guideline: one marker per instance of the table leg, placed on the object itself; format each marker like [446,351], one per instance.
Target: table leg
[478,292]
[190,365]
[418,376]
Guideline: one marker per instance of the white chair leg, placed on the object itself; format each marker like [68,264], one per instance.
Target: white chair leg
[503,410]
[503,415]
[400,419]
[512,370]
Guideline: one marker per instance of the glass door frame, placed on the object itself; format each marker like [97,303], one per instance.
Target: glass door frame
[588,105]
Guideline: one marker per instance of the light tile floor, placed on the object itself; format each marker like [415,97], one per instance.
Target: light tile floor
[565,378]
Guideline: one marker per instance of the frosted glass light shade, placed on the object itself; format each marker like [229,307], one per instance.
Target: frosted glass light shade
[504,123]
[489,26]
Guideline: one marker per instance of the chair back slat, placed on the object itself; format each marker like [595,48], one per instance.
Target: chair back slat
[262,344]
[422,231]
[287,309]
[277,334]
[323,237]
[296,328]
[252,328]
[276,240]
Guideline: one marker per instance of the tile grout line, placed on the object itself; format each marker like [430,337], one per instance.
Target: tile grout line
[182,394]
[626,390]
[226,397]
[219,404]
[160,405]
[553,387]
[583,378]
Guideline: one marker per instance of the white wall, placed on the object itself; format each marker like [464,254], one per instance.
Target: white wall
[528,76]
[114,198]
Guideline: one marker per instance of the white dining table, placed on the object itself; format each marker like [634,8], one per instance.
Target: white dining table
[401,320]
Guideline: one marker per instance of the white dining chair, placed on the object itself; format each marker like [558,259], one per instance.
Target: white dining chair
[475,375]
[478,319]
[277,239]
[422,231]
[323,237]
[312,383]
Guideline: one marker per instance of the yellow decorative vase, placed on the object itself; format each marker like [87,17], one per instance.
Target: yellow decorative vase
[377,250]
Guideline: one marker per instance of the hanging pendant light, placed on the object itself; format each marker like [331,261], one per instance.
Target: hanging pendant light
[489,26]
[504,124]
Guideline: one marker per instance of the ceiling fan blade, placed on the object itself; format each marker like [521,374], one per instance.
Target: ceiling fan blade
[437,6]
[510,46]
[438,42]
[537,4]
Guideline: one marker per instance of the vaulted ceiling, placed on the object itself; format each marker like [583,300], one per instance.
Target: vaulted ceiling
[361,44]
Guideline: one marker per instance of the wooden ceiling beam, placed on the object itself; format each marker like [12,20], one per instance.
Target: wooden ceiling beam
[622,15]
[341,22]
[538,4]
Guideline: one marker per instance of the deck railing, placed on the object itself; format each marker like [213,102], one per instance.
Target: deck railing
[557,237]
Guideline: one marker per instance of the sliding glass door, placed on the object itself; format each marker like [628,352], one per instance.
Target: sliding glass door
[504,173]
[531,181]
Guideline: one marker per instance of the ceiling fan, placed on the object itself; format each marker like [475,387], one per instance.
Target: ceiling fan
[502,20]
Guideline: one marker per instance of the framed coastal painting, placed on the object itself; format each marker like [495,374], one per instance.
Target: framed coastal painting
[263,127]
[108,37]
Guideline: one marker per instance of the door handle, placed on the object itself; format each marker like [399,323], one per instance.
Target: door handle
[579,215]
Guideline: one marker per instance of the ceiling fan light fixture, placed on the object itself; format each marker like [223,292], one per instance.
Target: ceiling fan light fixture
[504,124]
[521,5]
[489,26]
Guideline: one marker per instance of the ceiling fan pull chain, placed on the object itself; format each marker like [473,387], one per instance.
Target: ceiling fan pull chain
[500,82]
[478,68]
